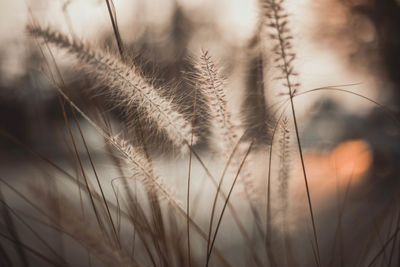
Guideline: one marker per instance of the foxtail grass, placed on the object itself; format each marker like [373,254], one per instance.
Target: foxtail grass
[276,19]
[123,84]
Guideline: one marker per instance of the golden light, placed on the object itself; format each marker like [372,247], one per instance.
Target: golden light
[332,172]
[352,158]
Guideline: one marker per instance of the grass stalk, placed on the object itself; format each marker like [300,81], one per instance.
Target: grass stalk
[278,21]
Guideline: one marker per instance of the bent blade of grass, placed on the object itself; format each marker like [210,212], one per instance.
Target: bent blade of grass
[334,88]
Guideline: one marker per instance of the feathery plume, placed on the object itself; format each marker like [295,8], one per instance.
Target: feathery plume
[212,85]
[250,188]
[141,167]
[124,83]
[284,165]
[276,20]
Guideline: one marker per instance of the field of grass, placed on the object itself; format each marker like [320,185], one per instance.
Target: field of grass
[158,152]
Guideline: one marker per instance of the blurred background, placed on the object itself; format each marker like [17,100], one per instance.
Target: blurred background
[348,44]
[356,45]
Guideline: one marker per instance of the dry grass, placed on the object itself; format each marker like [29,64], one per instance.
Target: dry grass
[137,219]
